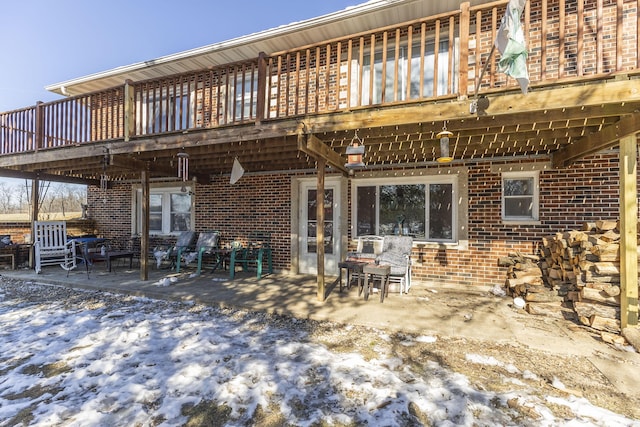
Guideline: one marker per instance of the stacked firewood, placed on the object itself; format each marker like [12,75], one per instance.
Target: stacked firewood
[579,269]
[526,280]
[586,265]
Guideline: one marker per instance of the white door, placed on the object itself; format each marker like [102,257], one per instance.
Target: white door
[308,225]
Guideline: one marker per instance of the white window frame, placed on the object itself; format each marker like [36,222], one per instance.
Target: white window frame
[426,180]
[245,97]
[444,62]
[159,124]
[165,192]
[535,197]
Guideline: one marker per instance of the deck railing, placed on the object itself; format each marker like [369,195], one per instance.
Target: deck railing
[425,59]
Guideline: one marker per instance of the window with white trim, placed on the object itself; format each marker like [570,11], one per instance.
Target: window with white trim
[520,195]
[170,210]
[165,110]
[435,75]
[424,208]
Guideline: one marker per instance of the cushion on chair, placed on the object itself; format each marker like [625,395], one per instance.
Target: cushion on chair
[186,239]
[399,244]
[208,240]
[396,252]
[398,262]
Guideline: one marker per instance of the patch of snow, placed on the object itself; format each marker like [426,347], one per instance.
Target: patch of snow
[132,360]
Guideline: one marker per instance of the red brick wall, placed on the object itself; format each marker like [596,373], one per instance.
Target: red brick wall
[586,191]
[255,203]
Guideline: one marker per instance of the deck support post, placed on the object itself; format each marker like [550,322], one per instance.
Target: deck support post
[35,211]
[144,239]
[321,163]
[628,231]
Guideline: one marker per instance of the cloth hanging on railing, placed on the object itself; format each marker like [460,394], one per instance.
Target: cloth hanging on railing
[510,42]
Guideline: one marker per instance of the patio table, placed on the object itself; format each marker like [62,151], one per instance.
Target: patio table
[382,271]
[109,256]
[352,267]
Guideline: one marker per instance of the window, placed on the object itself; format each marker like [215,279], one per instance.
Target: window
[520,196]
[245,95]
[169,210]
[441,74]
[423,208]
[159,111]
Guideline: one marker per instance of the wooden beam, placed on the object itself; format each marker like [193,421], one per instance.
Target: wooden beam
[628,231]
[313,146]
[610,92]
[10,173]
[139,165]
[591,144]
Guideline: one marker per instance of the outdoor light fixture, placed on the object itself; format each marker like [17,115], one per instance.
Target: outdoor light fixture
[444,136]
[183,165]
[104,178]
[355,152]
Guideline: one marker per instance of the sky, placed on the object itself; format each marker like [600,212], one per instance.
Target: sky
[46,42]
[88,358]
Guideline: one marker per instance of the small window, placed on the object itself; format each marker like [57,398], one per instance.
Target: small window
[169,210]
[520,196]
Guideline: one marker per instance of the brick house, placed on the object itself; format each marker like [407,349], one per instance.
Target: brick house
[287,102]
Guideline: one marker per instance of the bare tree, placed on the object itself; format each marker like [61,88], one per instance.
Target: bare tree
[53,198]
[5,198]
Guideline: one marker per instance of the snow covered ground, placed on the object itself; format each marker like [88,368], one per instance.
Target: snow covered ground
[80,358]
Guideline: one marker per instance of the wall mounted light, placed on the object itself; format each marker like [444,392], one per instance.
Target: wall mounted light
[444,136]
[355,153]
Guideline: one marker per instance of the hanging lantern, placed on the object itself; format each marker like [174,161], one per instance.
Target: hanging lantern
[355,152]
[104,178]
[183,165]
[444,136]
[104,182]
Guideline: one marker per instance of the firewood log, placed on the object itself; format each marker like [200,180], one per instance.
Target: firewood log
[512,282]
[592,277]
[548,296]
[605,324]
[592,309]
[605,225]
[610,236]
[530,272]
[553,309]
[596,295]
[607,268]
[613,339]
[612,290]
